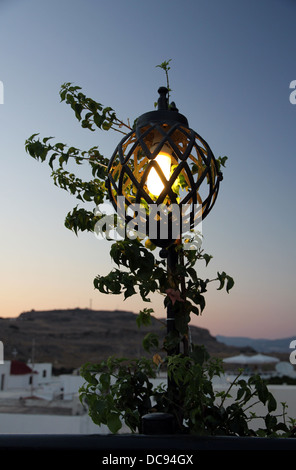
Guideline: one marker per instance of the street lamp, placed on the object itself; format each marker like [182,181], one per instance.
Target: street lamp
[164,163]
[168,170]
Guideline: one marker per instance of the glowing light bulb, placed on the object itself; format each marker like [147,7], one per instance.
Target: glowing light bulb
[154,182]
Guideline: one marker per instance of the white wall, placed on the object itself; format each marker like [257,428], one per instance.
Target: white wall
[44,373]
[13,423]
[4,374]
[71,385]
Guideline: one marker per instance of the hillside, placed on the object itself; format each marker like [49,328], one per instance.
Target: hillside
[69,338]
[260,345]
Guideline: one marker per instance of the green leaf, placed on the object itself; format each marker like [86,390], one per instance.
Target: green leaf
[78,108]
[46,139]
[221,161]
[89,377]
[144,317]
[193,274]
[229,284]
[194,310]
[164,65]
[221,278]
[261,388]
[129,283]
[52,158]
[98,120]
[270,421]
[106,125]
[240,393]
[207,258]
[150,341]
[199,354]
[113,422]
[105,381]
[271,403]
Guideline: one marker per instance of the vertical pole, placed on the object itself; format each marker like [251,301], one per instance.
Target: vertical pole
[166,423]
[172,261]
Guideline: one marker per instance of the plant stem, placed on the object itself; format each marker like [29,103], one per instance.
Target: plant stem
[229,388]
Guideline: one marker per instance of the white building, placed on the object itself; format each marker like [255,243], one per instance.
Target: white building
[18,375]
[32,400]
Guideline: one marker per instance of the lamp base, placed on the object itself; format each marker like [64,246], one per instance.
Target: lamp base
[158,423]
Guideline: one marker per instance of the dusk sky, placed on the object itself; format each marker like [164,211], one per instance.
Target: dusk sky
[231,68]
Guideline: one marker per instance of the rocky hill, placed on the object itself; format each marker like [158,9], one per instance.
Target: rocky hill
[70,338]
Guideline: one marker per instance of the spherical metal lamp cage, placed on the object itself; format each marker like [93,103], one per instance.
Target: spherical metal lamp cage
[192,184]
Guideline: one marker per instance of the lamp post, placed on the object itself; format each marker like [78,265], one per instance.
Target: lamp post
[163,175]
[170,171]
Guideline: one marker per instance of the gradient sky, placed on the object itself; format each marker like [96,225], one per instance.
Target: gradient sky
[232,63]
